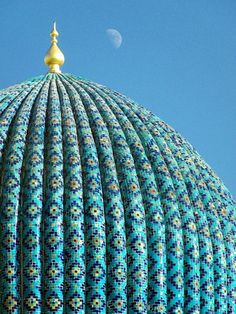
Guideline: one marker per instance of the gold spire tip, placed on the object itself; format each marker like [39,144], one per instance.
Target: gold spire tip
[54,57]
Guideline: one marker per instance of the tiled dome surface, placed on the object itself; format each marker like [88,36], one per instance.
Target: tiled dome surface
[104,208]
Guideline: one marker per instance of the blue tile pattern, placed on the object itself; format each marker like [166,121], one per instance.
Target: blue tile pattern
[104,208]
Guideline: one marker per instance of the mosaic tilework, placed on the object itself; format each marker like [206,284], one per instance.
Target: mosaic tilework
[104,208]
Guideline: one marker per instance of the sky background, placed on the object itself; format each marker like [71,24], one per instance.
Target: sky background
[178,59]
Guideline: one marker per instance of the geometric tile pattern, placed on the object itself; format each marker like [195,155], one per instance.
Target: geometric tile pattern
[104,208]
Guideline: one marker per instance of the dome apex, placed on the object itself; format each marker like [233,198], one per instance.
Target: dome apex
[54,57]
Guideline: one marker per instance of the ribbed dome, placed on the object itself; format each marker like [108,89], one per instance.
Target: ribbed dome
[104,208]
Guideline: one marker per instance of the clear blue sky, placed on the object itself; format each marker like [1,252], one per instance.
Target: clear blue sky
[178,58]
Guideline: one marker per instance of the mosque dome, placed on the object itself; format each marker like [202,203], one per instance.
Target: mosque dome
[104,208]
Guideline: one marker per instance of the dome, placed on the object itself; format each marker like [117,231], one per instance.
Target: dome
[105,208]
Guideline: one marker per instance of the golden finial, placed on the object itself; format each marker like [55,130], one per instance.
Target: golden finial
[54,57]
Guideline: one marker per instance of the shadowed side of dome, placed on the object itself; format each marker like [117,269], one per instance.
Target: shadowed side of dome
[104,208]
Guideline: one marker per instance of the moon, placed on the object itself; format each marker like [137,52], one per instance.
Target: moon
[114,37]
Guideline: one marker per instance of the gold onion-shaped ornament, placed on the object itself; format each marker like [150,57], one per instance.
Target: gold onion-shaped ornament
[54,57]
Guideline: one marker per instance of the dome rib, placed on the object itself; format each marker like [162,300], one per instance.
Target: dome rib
[53,223]
[96,240]
[7,116]
[191,306]
[73,213]
[113,124]
[104,208]
[90,107]
[147,184]
[32,202]
[11,193]
[137,154]
[203,190]
[200,165]
[220,286]
[187,220]
[220,283]
[179,139]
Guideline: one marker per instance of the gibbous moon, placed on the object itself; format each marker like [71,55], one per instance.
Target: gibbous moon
[114,37]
